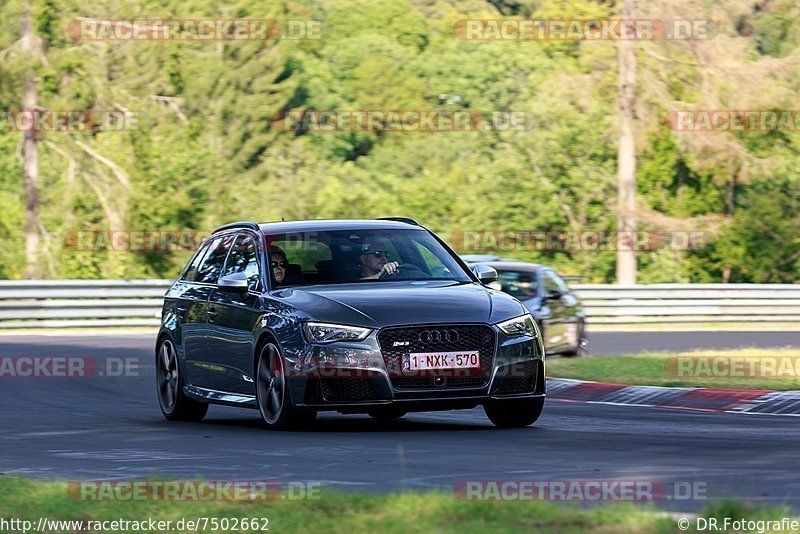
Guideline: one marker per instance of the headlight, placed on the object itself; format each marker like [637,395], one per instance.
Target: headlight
[519,326]
[330,333]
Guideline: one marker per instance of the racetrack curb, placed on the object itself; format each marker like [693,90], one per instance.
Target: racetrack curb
[762,402]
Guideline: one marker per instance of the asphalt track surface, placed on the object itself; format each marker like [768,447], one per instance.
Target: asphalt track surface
[111,428]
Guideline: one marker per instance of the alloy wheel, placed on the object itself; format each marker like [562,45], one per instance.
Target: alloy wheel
[271,384]
[167,375]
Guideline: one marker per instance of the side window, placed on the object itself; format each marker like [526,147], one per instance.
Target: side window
[562,285]
[244,259]
[210,269]
[191,271]
[549,282]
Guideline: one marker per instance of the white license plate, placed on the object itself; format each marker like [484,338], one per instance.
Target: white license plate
[420,361]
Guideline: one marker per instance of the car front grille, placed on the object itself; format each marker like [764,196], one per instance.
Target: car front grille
[397,341]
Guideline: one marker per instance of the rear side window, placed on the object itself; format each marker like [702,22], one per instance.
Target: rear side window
[549,282]
[244,259]
[211,267]
[562,285]
[191,271]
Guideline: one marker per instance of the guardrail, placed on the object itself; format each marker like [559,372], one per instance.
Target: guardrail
[81,303]
[690,303]
[135,303]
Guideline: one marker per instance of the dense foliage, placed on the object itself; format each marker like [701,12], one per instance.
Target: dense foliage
[208,152]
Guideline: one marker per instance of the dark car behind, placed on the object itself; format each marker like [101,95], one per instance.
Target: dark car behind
[556,308]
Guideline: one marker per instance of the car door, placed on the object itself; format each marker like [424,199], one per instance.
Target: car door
[189,301]
[553,310]
[233,317]
[205,280]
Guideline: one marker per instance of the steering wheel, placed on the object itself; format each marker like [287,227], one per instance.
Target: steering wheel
[404,270]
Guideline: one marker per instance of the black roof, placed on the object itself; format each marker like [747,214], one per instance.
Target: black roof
[513,265]
[332,225]
[321,225]
[505,264]
[500,263]
[240,224]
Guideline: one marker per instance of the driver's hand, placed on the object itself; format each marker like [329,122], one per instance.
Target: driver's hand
[390,268]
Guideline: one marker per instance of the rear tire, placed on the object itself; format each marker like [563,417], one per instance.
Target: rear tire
[273,396]
[514,413]
[174,403]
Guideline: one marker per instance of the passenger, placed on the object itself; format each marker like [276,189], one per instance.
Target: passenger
[278,263]
[375,260]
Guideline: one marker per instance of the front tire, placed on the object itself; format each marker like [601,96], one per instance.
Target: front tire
[272,393]
[544,337]
[514,413]
[174,403]
[581,343]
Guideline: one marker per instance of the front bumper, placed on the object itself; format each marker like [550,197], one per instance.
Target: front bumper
[357,377]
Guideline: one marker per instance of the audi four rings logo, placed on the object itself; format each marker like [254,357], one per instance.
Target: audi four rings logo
[438,336]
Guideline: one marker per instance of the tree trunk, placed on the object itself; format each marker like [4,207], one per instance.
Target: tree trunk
[626,157]
[30,166]
[730,194]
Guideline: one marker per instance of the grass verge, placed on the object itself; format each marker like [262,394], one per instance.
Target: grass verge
[337,511]
[771,369]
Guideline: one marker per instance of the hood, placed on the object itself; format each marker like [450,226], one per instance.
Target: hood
[383,304]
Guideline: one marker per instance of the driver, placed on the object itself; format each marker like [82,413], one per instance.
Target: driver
[527,286]
[375,260]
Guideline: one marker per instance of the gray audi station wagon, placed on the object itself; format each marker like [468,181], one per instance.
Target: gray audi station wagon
[357,316]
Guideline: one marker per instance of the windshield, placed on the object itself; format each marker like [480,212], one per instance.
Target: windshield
[369,256]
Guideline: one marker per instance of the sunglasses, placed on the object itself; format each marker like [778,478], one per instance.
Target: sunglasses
[378,254]
[283,264]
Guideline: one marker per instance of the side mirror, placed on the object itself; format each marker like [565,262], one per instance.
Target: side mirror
[485,273]
[233,283]
[553,294]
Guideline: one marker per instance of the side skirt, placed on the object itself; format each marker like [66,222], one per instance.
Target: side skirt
[220,397]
